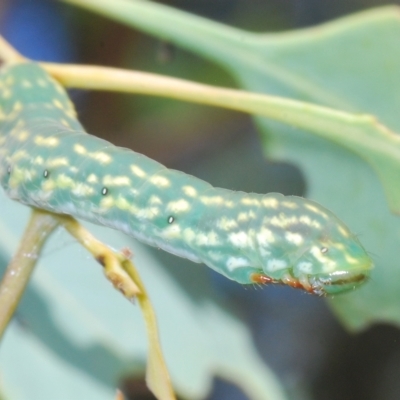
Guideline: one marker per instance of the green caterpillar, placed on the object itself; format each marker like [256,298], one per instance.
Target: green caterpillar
[48,161]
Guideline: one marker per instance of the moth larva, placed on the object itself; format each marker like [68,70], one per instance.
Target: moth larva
[48,161]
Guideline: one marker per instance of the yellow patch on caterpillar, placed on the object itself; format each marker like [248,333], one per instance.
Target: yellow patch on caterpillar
[249,201]
[210,200]
[209,239]
[155,200]
[189,191]
[57,162]
[178,206]
[121,180]
[233,263]
[240,239]
[294,238]
[265,237]
[290,204]
[160,181]
[48,141]
[226,224]
[92,178]
[23,135]
[137,171]
[41,82]
[82,190]
[270,202]
[65,123]
[26,84]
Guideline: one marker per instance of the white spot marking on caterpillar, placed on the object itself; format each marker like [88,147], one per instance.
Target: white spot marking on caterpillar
[328,264]
[110,180]
[270,202]
[17,106]
[316,210]
[63,181]
[276,265]
[350,259]
[122,203]
[26,84]
[226,224]
[290,204]
[82,190]
[243,217]
[305,219]
[148,213]
[209,239]
[46,141]
[343,231]
[100,156]
[172,231]
[239,239]
[229,203]
[160,181]
[236,262]
[58,104]
[23,135]
[59,161]
[92,178]
[10,80]
[189,234]
[78,148]
[178,206]
[65,123]
[6,93]
[294,238]
[250,201]
[264,253]
[189,191]
[41,82]
[305,267]
[106,203]
[265,237]
[155,200]
[137,171]
[212,200]
[48,185]
[58,88]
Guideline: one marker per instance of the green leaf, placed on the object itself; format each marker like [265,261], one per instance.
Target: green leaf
[74,336]
[351,64]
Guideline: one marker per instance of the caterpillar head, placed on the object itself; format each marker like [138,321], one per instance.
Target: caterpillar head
[333,262]
[313,250]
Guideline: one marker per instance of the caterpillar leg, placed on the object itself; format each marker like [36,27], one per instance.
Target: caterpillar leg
[287,280]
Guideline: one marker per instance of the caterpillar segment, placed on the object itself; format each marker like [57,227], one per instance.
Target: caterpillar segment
[48,161]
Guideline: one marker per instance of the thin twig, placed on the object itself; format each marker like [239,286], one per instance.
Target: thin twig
[12,286]
[124,276]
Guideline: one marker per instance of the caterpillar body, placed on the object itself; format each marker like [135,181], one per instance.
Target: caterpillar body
[48,161]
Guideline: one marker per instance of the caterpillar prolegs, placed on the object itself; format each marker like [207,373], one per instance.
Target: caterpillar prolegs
[48,161]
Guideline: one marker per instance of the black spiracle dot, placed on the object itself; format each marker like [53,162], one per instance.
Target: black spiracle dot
[170,219]
[324,250]
[104,191]
[46,173]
